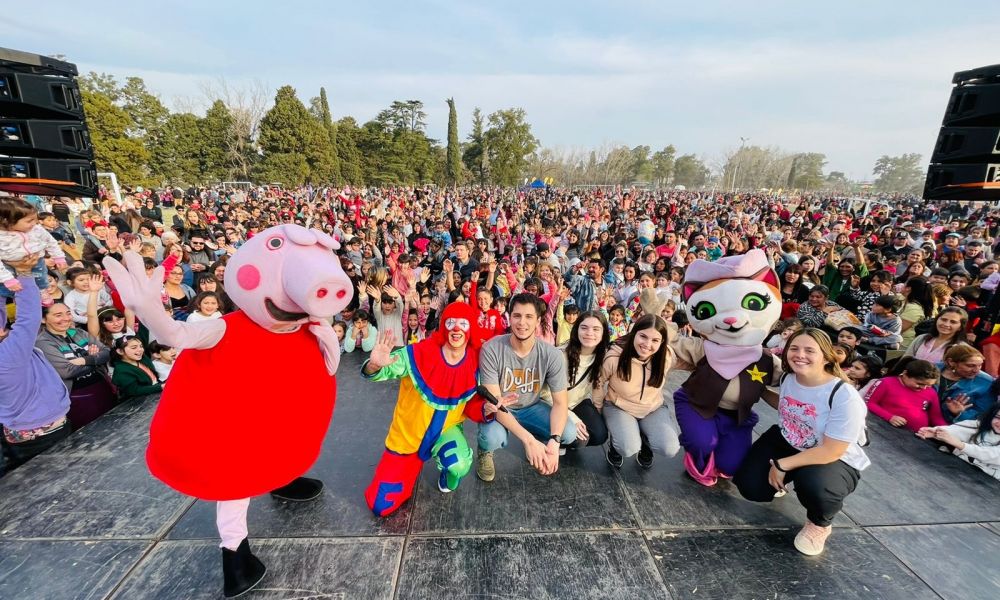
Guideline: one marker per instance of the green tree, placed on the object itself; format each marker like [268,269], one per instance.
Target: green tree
[296,146]
[215,128]
[837,181]
[175,160]
[474,155]
[642,166]
[321,110]
[903,173]
[663,165]
[690,172]
[453,163]
[145,108]
[114,150]
[808,168]
[347,151]
[508,142]
[287,132]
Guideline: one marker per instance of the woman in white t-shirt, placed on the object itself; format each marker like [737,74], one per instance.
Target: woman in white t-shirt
[816,443]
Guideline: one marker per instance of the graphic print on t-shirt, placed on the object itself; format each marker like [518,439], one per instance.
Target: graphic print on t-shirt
[524,381]
[798,422]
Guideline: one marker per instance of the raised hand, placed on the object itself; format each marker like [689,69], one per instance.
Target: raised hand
[139,292]
[96,283]
[381,354]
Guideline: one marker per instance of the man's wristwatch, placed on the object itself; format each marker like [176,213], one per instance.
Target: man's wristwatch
[555,436]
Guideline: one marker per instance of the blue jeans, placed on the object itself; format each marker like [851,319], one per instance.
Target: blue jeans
[534,418]
[39,272]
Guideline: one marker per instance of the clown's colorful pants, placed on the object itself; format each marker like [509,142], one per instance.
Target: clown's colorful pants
[396,474]
[722,435]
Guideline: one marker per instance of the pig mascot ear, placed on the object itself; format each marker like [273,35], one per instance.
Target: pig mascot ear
[307,237]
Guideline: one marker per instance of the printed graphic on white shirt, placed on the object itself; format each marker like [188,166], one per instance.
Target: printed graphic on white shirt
[798,422]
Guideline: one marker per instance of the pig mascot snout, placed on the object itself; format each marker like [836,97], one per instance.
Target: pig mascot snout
[264,370]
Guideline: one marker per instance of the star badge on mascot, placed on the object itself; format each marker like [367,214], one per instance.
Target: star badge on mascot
[268,367]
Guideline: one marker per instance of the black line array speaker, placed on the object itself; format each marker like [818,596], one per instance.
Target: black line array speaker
[965,164]
[45,146]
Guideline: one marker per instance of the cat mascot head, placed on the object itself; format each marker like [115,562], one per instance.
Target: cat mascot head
[734,301]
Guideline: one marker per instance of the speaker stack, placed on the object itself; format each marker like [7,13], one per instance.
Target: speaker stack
[965,164]
[45,146]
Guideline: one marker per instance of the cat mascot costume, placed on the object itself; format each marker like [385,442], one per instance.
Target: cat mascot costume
[732,303]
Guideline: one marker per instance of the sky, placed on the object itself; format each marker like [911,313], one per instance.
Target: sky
[854,80]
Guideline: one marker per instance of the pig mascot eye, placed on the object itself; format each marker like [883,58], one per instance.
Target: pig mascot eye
[275,243]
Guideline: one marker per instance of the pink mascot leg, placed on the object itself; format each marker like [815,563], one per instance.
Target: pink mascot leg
[241,570]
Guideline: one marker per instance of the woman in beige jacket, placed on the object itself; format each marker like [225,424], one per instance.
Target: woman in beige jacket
[629,394]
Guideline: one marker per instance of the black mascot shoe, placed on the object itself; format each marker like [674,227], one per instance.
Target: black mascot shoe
[241,570]
[302,489]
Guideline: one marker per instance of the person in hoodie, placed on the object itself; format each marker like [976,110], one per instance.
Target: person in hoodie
[629,393]
[33,400]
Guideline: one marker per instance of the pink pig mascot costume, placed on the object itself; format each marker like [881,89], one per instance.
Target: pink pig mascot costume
[273,362]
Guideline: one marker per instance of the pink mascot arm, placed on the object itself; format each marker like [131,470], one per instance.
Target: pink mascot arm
[142,295]
[328,343]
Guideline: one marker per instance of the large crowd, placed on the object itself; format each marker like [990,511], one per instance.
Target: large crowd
[903,289]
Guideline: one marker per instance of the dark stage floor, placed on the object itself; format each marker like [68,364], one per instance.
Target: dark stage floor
[86,521]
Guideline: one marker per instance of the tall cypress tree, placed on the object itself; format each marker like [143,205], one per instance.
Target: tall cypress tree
[453,162]
[331,130]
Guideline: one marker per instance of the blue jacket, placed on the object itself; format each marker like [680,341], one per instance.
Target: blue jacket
[31,392]
[978,391]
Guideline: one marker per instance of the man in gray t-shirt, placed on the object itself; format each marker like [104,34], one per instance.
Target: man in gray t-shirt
[515,368]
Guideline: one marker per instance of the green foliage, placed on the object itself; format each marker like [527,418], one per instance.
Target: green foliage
[215,130]
[110,125]
[347,151]
[903,173]
[642,166]
[320,109]
[508,142]
[175,160]
[453,160]
[394,154]
[474,155]
[690,172]
[296,146]
[663,165]
[809,171]
[403,114]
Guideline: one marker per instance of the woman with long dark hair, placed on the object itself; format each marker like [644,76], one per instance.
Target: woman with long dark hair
[584,355]
[948,330]
[629,393]
[918,304]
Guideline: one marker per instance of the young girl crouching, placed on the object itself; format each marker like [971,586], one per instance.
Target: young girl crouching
[816,443]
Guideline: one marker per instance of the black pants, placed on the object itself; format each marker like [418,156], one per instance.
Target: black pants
[593,421]
[821,488]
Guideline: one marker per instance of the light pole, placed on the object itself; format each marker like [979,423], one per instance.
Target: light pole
[736,167]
